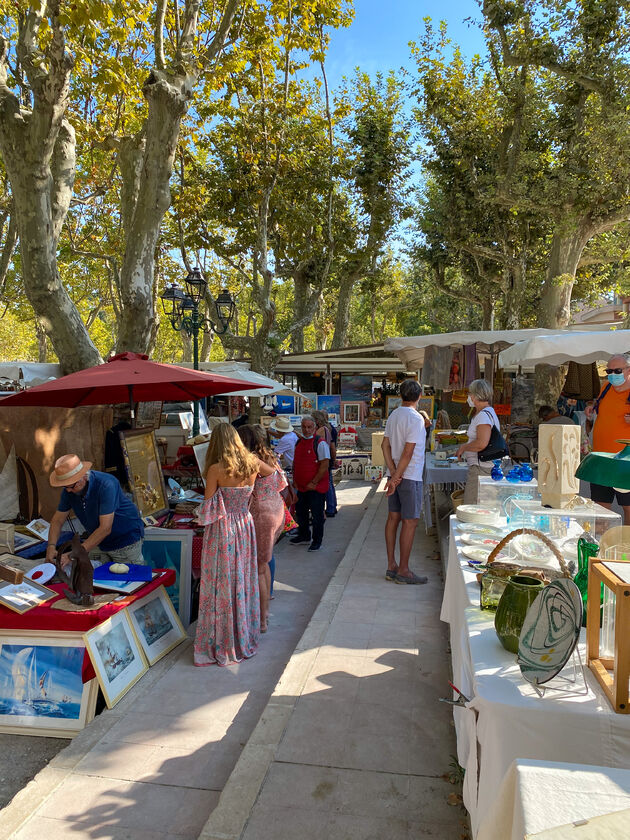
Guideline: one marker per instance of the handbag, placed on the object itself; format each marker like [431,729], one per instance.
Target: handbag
[496,446]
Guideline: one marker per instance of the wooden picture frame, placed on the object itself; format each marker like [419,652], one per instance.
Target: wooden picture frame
[39,527]
[116,655]
[25,596]
[149,415]
[171,548]
[351,413]
[426,404]
[41,687]
[157,624]
[392,403]
[22,541]
[144,471]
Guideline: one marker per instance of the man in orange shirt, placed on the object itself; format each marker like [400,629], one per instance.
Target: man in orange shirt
[612,412]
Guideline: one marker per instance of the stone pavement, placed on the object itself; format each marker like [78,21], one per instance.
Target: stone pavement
[155,765]
[354,741]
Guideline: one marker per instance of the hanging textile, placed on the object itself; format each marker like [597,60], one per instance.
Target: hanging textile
[471,366]
[582,382]
[436,368]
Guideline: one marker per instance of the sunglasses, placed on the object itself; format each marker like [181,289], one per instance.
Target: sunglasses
[616,370]
[76,483]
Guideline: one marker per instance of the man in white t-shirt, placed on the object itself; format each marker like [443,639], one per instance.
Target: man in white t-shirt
[403,451]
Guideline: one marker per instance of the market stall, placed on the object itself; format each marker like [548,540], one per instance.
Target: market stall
[566,346]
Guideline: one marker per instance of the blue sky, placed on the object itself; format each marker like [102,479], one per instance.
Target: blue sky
[379,35]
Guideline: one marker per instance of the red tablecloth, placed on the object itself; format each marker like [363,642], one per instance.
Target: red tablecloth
[45,618]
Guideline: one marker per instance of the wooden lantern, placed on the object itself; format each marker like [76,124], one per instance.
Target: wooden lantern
[612,672]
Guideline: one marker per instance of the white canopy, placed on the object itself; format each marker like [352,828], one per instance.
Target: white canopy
[411,349]
[240,370]
[566,346]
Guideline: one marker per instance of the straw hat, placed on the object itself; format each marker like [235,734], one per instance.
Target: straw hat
[68,470]
[282,425]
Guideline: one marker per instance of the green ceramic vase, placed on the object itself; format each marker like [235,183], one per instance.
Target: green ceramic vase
[517,598]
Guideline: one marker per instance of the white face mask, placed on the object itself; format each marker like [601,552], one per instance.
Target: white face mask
[470,402]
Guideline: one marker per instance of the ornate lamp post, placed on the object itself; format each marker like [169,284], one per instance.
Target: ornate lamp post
[181,306]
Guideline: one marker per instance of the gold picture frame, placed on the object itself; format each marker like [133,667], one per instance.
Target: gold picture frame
[117,656]
[144,471]
[25,596]
[149,415]
[41,687]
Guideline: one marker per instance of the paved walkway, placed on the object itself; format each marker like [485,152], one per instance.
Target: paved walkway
[354,741]
[154,766]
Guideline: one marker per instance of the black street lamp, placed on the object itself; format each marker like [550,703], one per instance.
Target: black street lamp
[182,309]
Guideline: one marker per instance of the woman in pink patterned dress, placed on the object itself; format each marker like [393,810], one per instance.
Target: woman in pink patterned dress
[228,627]
[267,508]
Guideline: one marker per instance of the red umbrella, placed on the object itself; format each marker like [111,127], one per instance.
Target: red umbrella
[127,377]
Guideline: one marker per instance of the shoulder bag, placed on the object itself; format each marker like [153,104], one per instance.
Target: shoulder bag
[496,447]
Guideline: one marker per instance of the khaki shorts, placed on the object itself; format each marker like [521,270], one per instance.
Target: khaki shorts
[129,554]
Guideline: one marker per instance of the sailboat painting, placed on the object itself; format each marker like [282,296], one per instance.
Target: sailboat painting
[41,686]
[116,656]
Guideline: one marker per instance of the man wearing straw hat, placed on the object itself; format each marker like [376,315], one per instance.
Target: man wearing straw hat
[282,430]
[113,524]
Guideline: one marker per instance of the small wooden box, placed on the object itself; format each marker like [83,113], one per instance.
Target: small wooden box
[612,673]
[7,536]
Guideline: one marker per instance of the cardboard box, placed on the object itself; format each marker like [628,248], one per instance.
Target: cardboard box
[377,450]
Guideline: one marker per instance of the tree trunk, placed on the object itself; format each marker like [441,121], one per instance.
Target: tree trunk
[150,195]
[555,301]
[42,348]
[342,319]
[514,295]
[487,318]
[300,296]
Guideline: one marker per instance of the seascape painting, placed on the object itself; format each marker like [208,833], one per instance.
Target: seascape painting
[172,549]
[115,651]
[41,681]
[330,403]
[152,620]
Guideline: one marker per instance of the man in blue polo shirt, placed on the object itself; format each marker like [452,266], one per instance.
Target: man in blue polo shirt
[112,522]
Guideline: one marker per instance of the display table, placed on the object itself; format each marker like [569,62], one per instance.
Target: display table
[536,795]
[47,618]
[440,478]
[505,719]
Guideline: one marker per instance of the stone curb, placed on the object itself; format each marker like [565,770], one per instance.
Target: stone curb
[229,818]
[24,804]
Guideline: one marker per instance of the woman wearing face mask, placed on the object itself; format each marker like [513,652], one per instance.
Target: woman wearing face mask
[611,416]
[484,418]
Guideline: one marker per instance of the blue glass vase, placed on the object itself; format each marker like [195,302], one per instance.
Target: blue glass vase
[514,475]
[497,472]
[527,473]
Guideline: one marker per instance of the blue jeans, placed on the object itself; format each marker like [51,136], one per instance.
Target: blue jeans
[272,569]
[331,497]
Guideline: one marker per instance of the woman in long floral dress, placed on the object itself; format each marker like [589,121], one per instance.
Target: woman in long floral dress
[228,627]
[267,509]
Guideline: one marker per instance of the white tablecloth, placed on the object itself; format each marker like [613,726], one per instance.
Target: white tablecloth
[536,795]
[451,476]
[506,719]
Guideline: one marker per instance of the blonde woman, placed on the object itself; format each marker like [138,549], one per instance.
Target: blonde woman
[267,509]
[479,397]
[228,627]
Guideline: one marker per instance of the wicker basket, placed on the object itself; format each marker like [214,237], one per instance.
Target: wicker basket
[457,497]
[536,571]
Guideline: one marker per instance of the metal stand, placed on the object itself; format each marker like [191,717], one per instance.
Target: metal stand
[568,681]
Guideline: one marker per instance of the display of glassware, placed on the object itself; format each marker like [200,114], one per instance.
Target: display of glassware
[495,493]
[560,523]
[496,473]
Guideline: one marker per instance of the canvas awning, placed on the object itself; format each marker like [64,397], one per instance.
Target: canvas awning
[268,387]
[568,346]
[410,349]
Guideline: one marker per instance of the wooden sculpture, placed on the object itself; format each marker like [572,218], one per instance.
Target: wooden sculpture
[81,582]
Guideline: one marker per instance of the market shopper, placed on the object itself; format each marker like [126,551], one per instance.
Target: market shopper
[228,627]
[282,430]
[611,416]
[479,431]
[403,451]
[267,510]
[115,530]
[310,477]
[327,432]
[547,414]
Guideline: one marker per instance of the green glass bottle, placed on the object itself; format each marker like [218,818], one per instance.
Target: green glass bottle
[519,595]
[586,548]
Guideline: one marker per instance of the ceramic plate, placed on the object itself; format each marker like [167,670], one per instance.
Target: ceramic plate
[477,554]
[533,551]
[42,573]
[480,539]
[550,631]
[471,528]
[477,513]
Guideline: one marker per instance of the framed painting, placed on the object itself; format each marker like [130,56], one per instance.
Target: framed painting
[39,527]
[166,548]
[149,415]
[352,413]
[309,403]
[116,656]
[392,403]
[356,388]
[22,541]
[22,597]
[157,625]
[41,689]
[285,404]
[200,450]
[144,472]
[330,403]
[426,404]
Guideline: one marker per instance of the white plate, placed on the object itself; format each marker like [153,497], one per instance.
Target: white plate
[480,539]
[42,573]
[478,514]
[471,528]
